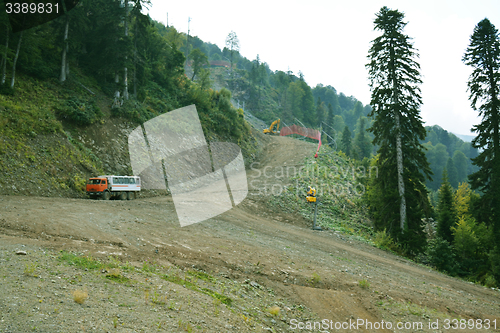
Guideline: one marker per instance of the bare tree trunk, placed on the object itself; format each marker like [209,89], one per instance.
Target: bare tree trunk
[401,184]
[12,81]
[64,66]
[117,103]
[135,62]
[135,72]
[125,71]
[4,62]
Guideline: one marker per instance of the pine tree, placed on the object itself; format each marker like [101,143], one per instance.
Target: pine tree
[362,141]
[346,141]
[329,124]
[320,112]
[447,216]
[452,173]
[483,55]
[398,128]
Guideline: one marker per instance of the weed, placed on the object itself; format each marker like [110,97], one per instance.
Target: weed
[364,284]
[385,242]
[146,295]
[114,262]
[315,279]
[245,319]
[115,322]
[128,267]
[29,269]
[216,303]
[115,275]
[149,267]
[79,296]
[157,298]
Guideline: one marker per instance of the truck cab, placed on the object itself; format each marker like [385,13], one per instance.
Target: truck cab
[97,186]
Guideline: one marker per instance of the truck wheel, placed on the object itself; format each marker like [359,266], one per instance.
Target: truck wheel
[130,195]
[106,195]
[123,196]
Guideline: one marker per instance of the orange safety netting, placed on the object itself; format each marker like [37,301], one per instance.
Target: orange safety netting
[307,132]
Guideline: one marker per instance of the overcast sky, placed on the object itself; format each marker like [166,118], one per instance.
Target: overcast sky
[329,40]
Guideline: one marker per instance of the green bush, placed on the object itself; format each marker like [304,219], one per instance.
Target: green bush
[384,241]
[5,89]
[440,255]
[80,112]
[495,262]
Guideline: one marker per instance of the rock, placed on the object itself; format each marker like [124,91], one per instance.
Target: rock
[23,253]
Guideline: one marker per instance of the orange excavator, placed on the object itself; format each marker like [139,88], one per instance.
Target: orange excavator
[274,128]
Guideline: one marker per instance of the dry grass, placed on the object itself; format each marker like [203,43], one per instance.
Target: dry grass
[79,296]
[274,310]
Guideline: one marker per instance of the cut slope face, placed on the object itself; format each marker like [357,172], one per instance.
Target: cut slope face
[268,257]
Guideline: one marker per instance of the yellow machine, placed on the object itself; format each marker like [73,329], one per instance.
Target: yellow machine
[311,194]
[271,129]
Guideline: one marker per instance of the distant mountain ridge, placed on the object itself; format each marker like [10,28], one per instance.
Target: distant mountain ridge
[465,137]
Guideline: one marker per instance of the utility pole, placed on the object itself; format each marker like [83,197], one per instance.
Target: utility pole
[167,19]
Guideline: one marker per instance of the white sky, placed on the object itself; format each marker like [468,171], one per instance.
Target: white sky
[329,40]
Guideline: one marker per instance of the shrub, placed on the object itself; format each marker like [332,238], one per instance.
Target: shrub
[364,284]
[440,255]
[80,112]
[384,241]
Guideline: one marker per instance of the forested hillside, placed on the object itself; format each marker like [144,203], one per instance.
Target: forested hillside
[67,82]
[269,95]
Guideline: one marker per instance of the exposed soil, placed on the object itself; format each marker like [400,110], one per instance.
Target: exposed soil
[257,256]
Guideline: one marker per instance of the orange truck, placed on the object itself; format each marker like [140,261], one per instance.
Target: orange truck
[122,187]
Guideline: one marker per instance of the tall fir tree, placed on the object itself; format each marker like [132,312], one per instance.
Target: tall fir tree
[329,124]
[398,128]
[483,55]
[447,216]
[362,141]
[345,144]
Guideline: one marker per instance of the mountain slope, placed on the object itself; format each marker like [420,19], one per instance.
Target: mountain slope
[257,257]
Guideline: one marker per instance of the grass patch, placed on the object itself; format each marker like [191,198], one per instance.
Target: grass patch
[192,286]
[88,262]
[115,275]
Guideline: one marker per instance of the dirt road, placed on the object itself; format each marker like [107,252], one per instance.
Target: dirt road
[331,276]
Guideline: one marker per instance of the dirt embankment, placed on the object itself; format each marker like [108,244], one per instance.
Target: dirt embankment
[256,256]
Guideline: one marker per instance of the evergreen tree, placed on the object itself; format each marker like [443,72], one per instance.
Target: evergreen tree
[398,129]
[447,216]
[452,173]
[329,124]
[362,141]
[320,112]
[483,55]
[345,144]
